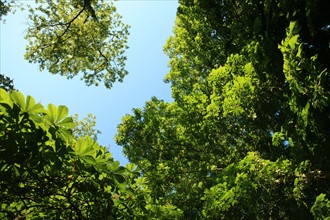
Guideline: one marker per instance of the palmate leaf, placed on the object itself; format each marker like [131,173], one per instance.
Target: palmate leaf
[62,111]
[57,116]
[18,98]
[27,105]
[89,152]
[61,126]
[86,147]
[32,107]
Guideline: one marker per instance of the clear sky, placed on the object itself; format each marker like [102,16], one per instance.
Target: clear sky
[151,24]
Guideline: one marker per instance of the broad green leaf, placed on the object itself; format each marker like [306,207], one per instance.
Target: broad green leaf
[52,113]
[102,176]
[6,103]
[62,112]
[131,167]
[32,107]
[115,165]
[88,159]
[4,97]
[18,98]
[305,114]
[67,122]
[321,207]
[85,147]
[293,41]
[57,116]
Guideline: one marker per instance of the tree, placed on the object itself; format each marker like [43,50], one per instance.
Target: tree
[50,164]
[246,135]
[47,173]
[78,37]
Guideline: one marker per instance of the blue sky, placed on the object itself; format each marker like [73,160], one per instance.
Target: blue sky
[151,24]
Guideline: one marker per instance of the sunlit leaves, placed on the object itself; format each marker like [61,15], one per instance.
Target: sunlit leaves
[321,208]
[246,133]
[65,39]
[85,127]
[58,116]
[5,98]
[245,137]
[7,6]
[86,147]
[45,172]
[252,184]
[237,95]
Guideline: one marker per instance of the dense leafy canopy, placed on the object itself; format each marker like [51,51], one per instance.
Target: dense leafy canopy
[51,166]
[72,37]
[47,173]
[247,136]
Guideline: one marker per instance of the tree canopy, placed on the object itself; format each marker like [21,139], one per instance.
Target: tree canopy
[51,166]
[246,136]
[78,37]
[46,173]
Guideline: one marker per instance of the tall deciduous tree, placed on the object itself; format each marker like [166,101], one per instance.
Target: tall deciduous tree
[247,134]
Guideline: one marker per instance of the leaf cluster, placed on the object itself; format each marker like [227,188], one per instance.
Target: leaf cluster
[47,173]
[246,134]
[65,38]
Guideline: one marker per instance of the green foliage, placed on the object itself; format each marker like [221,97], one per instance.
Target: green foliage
[247,133]
[47,173]
[245,138]
[5,7]
[6,83]
[66,39]
[321,207]
[252,188]
[85,127]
